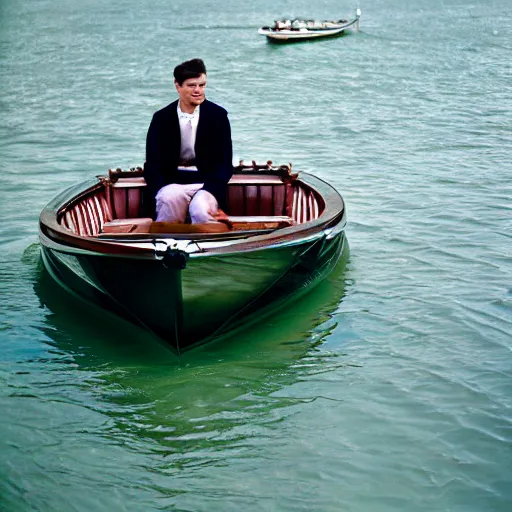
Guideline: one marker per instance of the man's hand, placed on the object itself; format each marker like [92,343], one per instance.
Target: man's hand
[221,216]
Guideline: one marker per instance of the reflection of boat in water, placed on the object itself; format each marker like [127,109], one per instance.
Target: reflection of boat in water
[186,283]
[301,29]
[151,394]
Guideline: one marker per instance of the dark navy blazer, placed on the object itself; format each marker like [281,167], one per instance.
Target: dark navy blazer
[213,148]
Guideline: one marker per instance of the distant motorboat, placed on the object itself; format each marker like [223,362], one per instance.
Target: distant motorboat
[301,29]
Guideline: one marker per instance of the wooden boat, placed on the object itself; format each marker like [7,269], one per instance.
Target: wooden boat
[281,233]
[301,29]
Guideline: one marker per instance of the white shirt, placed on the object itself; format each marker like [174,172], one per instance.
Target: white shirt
[193,119]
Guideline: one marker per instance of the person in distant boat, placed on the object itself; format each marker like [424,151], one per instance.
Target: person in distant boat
[189,153]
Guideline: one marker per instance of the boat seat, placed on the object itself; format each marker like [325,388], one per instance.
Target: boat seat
[135,225]
[256,222]
[256,195]
[228,223]
[225,224]
[176,227]
[127,197]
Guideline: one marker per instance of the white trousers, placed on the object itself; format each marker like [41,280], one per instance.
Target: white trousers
[174,201]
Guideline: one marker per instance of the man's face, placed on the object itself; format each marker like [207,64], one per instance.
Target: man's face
[191,91]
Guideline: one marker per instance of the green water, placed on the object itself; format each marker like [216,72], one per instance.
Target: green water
[389,386]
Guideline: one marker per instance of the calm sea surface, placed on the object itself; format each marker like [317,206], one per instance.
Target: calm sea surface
[389,386]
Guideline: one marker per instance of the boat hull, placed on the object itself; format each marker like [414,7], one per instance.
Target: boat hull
[290,35]
[211,296]
[191,287]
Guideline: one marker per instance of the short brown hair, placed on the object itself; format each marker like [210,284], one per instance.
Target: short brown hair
[189,69]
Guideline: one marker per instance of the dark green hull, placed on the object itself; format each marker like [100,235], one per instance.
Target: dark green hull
[209,297]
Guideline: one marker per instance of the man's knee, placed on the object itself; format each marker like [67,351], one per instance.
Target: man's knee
[203,207]
[171,203]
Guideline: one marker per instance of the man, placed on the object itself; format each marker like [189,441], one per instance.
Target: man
[189,152]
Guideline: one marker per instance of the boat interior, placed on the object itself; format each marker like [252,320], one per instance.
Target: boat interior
[298,24]
[257,202]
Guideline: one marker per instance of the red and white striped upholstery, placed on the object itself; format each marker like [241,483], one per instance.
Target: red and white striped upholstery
[305,205]
[87,217]
[121,200]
